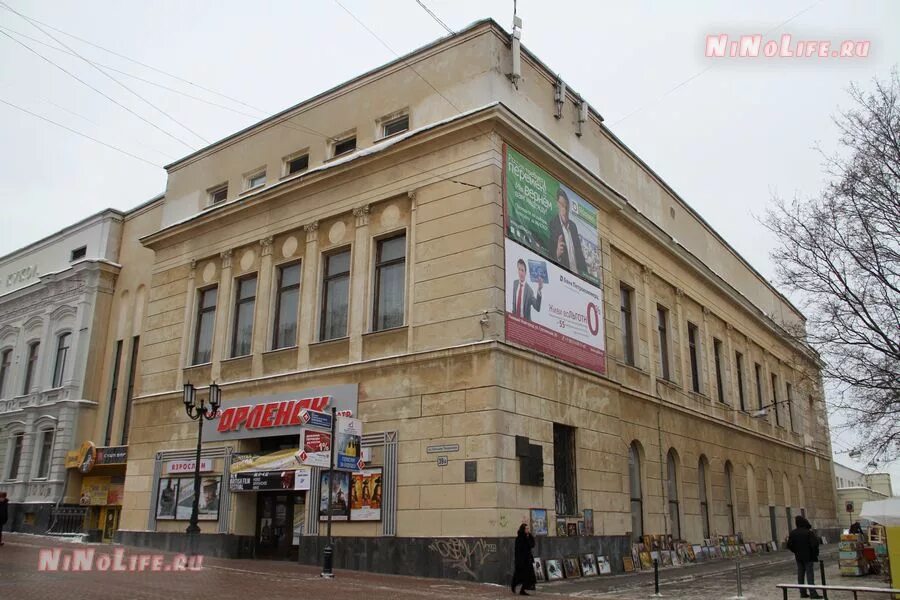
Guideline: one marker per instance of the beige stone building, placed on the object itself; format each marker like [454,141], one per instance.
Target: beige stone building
[855,487]
[361,250]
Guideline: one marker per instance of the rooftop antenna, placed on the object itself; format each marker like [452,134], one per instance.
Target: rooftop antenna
[516,73]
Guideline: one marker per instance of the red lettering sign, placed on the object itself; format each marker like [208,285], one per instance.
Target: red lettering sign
[285,413]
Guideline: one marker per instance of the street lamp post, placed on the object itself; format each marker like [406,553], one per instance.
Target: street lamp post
[199,412]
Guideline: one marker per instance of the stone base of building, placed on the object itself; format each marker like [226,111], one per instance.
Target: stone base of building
[29,518]
[219,545]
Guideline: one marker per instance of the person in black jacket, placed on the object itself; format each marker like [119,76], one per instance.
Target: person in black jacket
[524,562]
[4,513]
[804,543]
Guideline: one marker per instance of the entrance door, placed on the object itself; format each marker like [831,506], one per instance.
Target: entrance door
[772,524]
[110,520]
[274,524]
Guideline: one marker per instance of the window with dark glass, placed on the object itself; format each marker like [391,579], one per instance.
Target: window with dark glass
[287,304]
[704,499]
[31,366]
[5,362]
[46,452]
[739,366]
[218,194]
[693,347]
[775,406]
[390,283]
[626,326]
[256,180]
[790,406]
[344,146]
[662,325]
[637,495]
[729,496]
[18,441]
[113,392]
[244,306]
[717,352]
[298,164]
[62,351]
[129,391]
[206,321]
[564,470]
[335,296]
[757,371]
[395,126]
[672,493]
[78,253]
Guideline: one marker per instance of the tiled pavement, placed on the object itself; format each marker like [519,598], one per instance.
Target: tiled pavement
[222,579]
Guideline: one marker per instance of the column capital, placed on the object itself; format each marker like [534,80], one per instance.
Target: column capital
[266,244]
[226,259]
[312,231]
[362,215]
[193,272]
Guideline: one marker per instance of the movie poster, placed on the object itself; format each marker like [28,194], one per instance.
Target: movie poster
[365,495]
[340,495]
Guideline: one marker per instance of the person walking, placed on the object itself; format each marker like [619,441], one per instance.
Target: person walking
[523,572]
[4,513]
[804,543]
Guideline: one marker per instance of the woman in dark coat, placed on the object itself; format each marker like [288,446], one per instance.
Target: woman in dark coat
[524,566]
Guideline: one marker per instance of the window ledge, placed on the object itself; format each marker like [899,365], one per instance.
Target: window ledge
[698,395]
[284,349]
[386,331]
[232,359]
[203,364]
[631,367]
[331,341]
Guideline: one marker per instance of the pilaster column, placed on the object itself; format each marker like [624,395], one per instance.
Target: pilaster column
[359,283]
[652,353]
[190,301]
[731,361]
[261,318]
[708,358]
[223,311]
[410,273]
[308,332]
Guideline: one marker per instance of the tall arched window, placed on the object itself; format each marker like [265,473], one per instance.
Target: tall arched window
[637,496]
[672,492]
[729,496]
[62,352]
[704,499]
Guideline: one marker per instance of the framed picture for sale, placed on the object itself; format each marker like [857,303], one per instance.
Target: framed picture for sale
[539,521]
[554,569]
[539,570]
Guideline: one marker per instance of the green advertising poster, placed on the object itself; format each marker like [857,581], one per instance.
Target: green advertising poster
[550,219]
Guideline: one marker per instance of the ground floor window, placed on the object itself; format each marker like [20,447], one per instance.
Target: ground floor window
[564,469]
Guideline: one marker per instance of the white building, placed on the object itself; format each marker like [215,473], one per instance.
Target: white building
[55,298]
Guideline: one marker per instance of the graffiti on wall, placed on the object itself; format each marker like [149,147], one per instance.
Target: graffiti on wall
[466,555]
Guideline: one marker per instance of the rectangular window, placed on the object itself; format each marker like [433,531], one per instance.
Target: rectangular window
[757,371]
[564,470]
[255,180]
[739,365]
[62,351]
[33,349]
[790,406]
[717,351]
[390,283]
[46,452]
[395,126]
[206,321]
[693,347]
[129,391]
[218,194]
[244,306]
[297,164]
[78,253]
[625,323]
[335,296]
[344,146]
[775,399]
[5,362]
[662,325]
[287,305]
[18,441]
[113,392]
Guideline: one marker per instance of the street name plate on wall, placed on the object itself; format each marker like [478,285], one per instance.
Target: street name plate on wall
[442,448]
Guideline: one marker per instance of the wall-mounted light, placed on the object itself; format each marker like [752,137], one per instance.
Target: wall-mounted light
[559,97]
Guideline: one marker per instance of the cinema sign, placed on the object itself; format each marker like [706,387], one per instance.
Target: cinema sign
[278,414]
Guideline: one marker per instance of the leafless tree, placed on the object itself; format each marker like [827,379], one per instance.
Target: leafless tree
[839,252]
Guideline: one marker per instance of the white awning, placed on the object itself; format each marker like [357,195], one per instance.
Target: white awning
[885,512]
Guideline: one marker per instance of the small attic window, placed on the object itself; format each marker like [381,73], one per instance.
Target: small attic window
[78,253]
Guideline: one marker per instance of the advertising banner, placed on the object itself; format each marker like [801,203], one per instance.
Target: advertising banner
[112,455]
[561,315]
[315,449]
[302,478]
[94,491]
[258,481]
[174,467]
[278,414]
[348,444]
[548,217]
[340,495]
[176,497]
[365,495]
[280,460]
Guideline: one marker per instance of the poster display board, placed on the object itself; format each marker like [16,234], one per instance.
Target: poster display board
[175,498]
[365,495]
[348,444]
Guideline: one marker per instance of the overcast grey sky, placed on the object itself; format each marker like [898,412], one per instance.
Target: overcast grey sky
[725,139]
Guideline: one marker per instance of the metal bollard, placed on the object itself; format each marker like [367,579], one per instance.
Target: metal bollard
[328,561]
[822,572]
[656,578]
[740,591]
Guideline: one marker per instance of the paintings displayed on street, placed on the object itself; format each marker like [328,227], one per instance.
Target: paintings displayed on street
[554,569]
[539,570]
[628,564]
[588,565]
[561,529]
[603,565]
[539,521]
[588,521]
[571,566]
